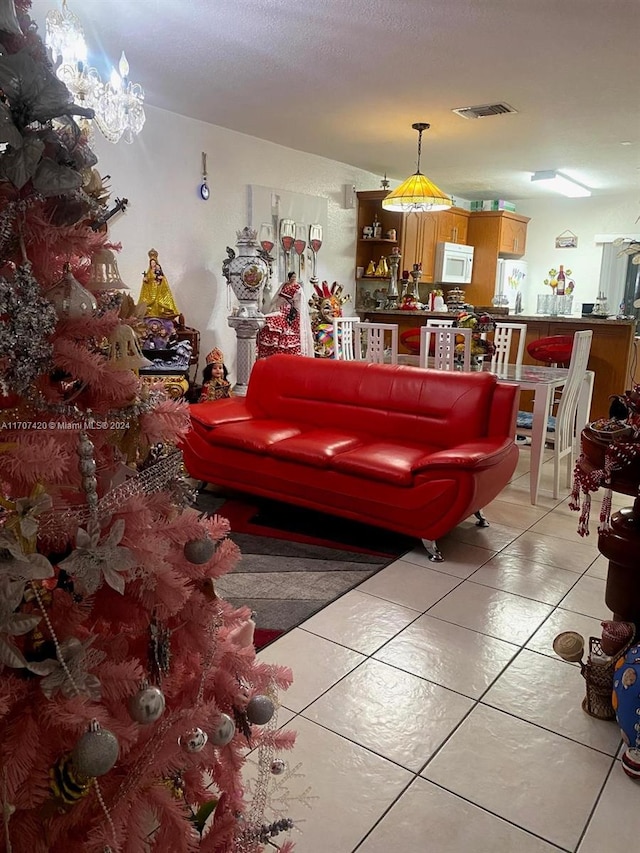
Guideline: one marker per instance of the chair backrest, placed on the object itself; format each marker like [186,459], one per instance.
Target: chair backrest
[371,339]
[343,336]
[438,323]
[502,343]
[568,406]
[445,343]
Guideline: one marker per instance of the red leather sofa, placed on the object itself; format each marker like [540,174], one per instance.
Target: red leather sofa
[403,448]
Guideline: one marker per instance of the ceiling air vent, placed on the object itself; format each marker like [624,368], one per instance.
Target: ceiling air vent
[484,110]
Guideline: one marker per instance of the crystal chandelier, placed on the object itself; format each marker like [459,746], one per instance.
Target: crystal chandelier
[118,103]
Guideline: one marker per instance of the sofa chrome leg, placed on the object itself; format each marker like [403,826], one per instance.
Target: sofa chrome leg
[482,521]
[432,550]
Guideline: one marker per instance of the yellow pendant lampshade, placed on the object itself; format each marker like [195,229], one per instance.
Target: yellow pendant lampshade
[417,193]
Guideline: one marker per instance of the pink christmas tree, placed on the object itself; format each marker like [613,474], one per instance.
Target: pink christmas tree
[130,694]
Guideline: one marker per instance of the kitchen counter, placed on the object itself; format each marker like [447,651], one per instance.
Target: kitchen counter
[612,347]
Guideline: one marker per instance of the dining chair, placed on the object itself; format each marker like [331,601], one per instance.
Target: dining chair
[571,402]
[567,427]
[343,338]
[371,340]
[440,323]
[502,339]
[444,350]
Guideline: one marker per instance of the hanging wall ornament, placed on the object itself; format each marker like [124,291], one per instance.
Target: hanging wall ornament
[147,705]
[224,731]
[199,551]
[96,752]
[260,710]
[194,740]
[278,766]
[70,299]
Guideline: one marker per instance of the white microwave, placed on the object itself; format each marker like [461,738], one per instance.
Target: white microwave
[453,264]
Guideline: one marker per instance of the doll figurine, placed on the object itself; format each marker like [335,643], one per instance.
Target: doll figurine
[215,385]
[287,327]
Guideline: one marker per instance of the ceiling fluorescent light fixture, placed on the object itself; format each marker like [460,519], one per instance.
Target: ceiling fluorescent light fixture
[561,184]
[417,193]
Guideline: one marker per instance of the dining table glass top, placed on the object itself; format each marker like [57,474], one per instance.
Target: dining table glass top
[531,374]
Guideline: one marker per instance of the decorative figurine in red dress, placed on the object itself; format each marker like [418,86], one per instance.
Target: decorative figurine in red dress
[287,328]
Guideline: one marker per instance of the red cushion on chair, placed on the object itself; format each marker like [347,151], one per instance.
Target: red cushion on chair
[553,350]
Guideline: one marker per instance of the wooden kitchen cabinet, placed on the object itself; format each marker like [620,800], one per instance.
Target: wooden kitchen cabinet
[417,235]
[493,234]
[453,225]
[419,244]
[513,236]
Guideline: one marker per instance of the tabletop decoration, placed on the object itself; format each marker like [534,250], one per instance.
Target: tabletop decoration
[480,324]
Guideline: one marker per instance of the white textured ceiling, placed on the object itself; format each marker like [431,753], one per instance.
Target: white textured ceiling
[346,79]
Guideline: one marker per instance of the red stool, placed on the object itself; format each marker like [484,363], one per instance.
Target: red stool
[554,351]
[410,338]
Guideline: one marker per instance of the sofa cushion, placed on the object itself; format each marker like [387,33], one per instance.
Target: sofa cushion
[256,436]
[439,407]
[385,461]
[216,412]
[315,447]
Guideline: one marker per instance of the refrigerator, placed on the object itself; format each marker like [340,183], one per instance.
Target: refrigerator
[511,285]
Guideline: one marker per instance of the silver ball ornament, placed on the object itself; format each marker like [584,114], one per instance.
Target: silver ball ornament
[87,467]
[147,705]
[199,551]
[96,752]
[224,731]
[278,766]
[260,710]
[193,741]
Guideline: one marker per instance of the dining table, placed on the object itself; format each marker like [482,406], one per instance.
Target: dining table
[543,381]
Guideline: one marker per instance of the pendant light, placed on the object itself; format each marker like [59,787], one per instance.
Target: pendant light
[417,194]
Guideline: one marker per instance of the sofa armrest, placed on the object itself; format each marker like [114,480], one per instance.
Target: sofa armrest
[217,412]
[475,455]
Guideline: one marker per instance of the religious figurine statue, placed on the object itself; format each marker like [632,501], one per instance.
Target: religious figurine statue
[155,291]
[215,382]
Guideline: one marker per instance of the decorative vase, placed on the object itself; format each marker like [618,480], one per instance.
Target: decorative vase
[246,274]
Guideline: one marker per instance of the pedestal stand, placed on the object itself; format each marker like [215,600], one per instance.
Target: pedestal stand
[246,273]
[621,546]
[621,543]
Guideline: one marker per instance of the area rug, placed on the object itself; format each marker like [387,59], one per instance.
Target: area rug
[295,561]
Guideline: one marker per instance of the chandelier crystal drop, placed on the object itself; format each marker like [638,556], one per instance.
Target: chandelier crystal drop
[118,104]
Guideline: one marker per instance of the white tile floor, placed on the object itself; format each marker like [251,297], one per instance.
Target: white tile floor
[432,713]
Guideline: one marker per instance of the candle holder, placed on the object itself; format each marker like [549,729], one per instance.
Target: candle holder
[393,261]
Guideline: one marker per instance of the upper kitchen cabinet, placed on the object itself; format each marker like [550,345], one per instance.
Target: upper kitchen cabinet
[419,243]
[453,225]
[513,234]
[493,234]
